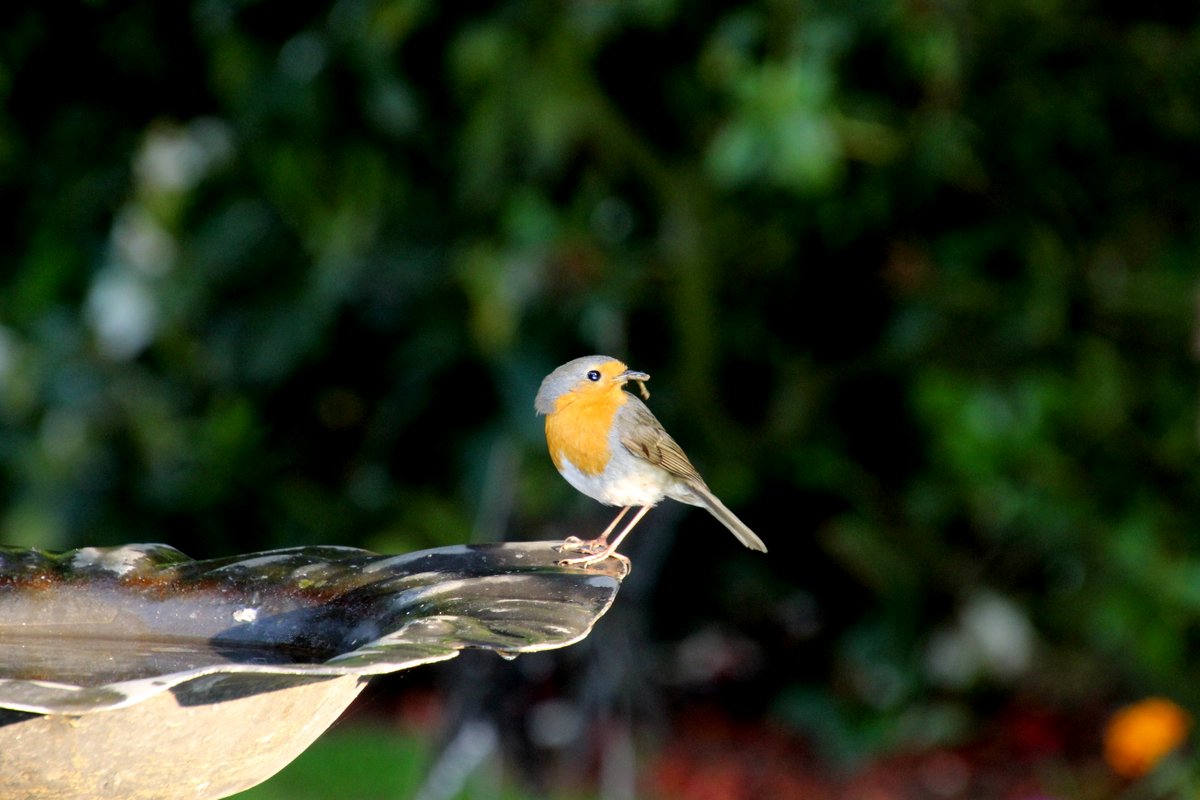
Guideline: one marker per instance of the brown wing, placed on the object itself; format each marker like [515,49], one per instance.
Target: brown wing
[643,435]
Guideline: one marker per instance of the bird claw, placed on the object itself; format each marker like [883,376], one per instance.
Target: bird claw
[588,547]
[593,552]
[595,558]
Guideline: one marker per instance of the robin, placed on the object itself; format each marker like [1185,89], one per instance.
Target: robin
[608,445]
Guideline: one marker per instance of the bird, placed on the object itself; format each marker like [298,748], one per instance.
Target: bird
[607,444]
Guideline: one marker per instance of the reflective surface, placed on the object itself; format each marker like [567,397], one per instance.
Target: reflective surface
[100,628]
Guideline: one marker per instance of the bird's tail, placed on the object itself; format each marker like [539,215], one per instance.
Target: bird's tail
[728,519]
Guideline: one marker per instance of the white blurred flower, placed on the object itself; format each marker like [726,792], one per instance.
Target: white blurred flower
[992,638]
[175,158]
[123,314]
[1001,633]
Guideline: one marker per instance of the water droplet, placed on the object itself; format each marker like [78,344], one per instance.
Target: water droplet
[245,615]
[507,655]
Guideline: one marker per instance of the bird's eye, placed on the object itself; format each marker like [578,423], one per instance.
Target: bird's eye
[593,375]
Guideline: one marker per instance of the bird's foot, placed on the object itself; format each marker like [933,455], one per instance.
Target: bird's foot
[571,543]
[593,551]
[595,558]
[590,547]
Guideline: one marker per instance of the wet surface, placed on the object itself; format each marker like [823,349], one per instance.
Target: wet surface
[100,628]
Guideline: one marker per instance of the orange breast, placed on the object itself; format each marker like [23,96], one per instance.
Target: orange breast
[578,431]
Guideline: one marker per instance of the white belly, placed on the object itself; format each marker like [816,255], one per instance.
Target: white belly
[628,481]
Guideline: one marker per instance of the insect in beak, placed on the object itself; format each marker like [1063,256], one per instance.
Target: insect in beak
[639,377]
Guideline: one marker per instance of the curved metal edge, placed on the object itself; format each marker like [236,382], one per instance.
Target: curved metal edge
[372,658]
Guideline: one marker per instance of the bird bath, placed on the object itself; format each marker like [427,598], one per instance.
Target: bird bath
[135,672]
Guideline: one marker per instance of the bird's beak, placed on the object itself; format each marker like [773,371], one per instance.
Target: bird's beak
[632,375]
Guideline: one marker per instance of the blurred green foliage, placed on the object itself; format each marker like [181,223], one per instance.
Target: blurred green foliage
[368,762]
[916,281]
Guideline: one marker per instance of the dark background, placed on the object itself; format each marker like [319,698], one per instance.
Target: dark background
[916,282]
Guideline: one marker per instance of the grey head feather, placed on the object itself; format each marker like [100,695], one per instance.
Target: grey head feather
[564,379]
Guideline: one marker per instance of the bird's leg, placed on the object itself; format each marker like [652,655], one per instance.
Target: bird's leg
[593,545]
[607,550]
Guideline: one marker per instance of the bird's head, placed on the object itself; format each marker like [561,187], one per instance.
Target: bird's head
[590,376]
